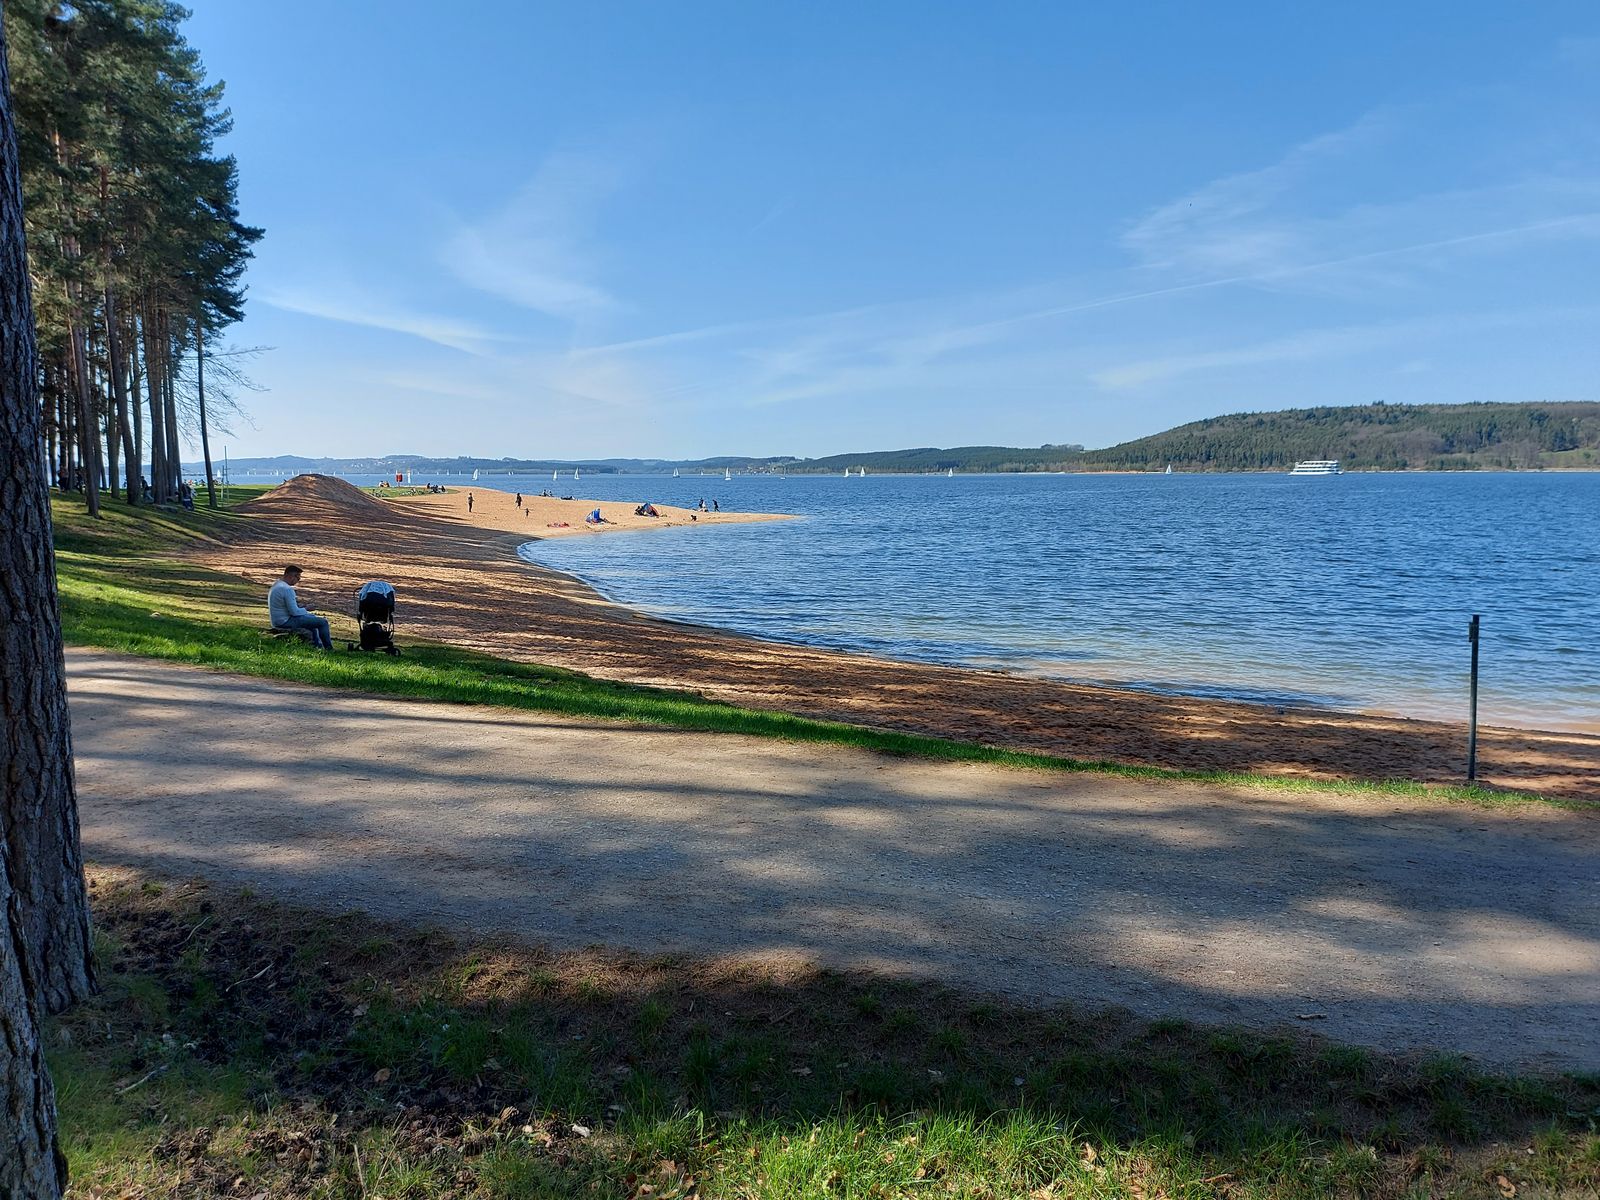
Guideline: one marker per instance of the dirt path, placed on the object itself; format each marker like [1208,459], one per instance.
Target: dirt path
[1403,924]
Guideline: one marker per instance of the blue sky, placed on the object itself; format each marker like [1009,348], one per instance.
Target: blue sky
[682,229]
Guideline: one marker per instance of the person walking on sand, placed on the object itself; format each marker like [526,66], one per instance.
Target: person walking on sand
[286,612]
[519,499]
[469,504]
[715,507]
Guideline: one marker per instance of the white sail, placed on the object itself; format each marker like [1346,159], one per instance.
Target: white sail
[727,475]
[574,472]
[474,477]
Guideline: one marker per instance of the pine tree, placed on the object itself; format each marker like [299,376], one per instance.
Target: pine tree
[45,961]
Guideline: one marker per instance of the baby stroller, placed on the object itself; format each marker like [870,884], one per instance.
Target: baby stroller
[375,617]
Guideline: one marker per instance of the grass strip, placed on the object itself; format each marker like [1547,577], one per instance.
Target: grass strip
[244,1048]
[124,586]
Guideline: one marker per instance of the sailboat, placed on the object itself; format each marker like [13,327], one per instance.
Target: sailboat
[474,476]
[674,472]
[727,475]
[574,473]
[952,473]
[847,472]
[861,472]
[1168,470]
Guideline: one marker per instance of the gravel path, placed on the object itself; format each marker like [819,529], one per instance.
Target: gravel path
[1379,921]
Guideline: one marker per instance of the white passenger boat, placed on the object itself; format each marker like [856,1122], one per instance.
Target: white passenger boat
[1317,466]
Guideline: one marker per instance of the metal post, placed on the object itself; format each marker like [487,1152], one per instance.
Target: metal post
[1472,719]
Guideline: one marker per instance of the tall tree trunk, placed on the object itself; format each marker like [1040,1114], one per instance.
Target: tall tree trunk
[105,388]
[136,409]
[169,393]
[44,908]
[63,413]
[154,362]
[200,387]
[119,399]
[88,427]
[50,451]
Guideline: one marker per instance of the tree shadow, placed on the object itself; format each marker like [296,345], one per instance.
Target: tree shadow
[528,1068]
[1392,923]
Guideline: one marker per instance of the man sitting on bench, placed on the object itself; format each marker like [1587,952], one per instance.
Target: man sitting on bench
[287,614]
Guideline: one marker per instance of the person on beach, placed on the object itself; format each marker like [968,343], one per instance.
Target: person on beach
[519,499]
[284,606]
[469,503]
[715,507]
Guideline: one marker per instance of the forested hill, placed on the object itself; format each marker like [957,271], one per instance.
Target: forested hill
[1372,437]
[1393,437]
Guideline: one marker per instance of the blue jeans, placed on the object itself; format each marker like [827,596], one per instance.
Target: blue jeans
[317,627]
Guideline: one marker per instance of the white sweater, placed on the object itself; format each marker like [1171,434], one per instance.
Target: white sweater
[283,604]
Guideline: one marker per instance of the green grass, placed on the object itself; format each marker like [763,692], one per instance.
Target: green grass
[124,585]
[462,1070]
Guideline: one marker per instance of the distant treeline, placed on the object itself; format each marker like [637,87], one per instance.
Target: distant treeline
[418,465]
[1387,437]
[1393,437]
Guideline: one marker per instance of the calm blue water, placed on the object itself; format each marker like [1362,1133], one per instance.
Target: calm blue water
[1351,592]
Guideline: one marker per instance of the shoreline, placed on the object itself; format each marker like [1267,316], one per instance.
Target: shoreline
[500,515]
[464,584]
[540,517]
[1285,705]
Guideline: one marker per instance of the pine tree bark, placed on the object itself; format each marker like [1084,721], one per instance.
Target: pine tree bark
[154,361]
[119,399]
[113,445]
[136,410]
[88,427]
[169,394]
[200,387]
[44,911]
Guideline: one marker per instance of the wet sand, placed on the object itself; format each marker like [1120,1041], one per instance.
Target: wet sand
[459,580]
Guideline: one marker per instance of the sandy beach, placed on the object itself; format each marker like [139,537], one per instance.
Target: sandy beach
[555,516]
[459,580]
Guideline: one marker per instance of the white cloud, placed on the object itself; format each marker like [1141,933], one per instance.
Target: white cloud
[1340,342]
[535,250]
[357,310]
[1336,214]
[1220,227]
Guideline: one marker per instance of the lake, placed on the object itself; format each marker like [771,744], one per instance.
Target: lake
[1350,591]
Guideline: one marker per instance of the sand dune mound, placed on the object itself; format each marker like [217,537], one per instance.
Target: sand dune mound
[322,497]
